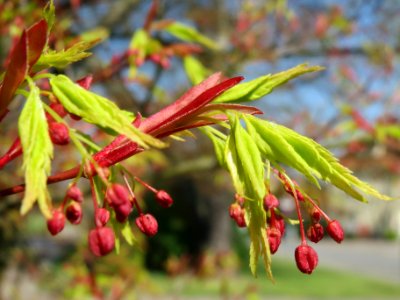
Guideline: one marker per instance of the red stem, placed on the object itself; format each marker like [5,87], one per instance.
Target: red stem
[132,194]
[298,210]
[145,184]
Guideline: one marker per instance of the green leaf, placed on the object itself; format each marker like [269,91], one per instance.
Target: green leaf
[63,58]
[259,87]
[37,152]
[218,142]
[139,44]
[308,157]
[189,34]
[98,110]
[127,233]
[49,14]
[195,69]
[246,168]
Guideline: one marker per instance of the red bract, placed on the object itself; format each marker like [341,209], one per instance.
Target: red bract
[274,239]
[59,133]
[306,259]
[102,216]
[74,213]
[101,241]
[56,223]
[75,194]
[315,232]
[335,231]
[270,202]
[147,224]
[164,199]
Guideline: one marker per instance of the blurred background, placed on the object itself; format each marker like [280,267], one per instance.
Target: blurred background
[352,108]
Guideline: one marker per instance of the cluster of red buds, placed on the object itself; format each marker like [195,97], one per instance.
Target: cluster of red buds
[306,257]
[119,202]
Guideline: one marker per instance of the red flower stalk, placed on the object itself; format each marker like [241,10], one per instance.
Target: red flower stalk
[56,223]
[335,231]
[74,213]
[147,224]
[14,151]
[306,259]
[315,232]
[59,133]
[101,241]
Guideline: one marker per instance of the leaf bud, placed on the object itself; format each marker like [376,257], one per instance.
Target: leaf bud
[56,223]
[75,194]
[335,231]
[74,213]
[102,216]
[270,202]
[164,199]
[315,232]
[147,224]
[306,259]
[59,133]
[101,241]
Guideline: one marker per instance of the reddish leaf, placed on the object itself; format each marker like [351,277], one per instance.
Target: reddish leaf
[186,107]
[37,39]
[16,72]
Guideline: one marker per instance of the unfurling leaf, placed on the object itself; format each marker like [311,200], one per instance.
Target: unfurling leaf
[246,167]
[259,87]
[283,145]
[189,34]
[98,110]
[37,152]
[61,59]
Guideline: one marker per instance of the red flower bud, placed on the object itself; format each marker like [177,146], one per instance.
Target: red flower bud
[279,223]
[75,117]
[59,133]
[315,215]
[101,241]
[56,223]
[306,259]
[274,239]
[85,82]
[122,211]
[117,194]
[147,224]
[237,213]
[315,232]
[58,109]
[270,201]
[75,194]
[164,199]
[102,216]
[74,213]
[335,231]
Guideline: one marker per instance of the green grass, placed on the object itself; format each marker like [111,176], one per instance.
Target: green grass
[289,282]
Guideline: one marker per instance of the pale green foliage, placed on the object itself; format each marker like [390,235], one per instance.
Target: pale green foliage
[49,14]
[261,86]
[98,110]
[63,58]
[246,167]
[37,152]
[307,156]
[195,69]
[189,34]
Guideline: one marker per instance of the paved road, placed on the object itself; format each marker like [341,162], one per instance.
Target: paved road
[372,258]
